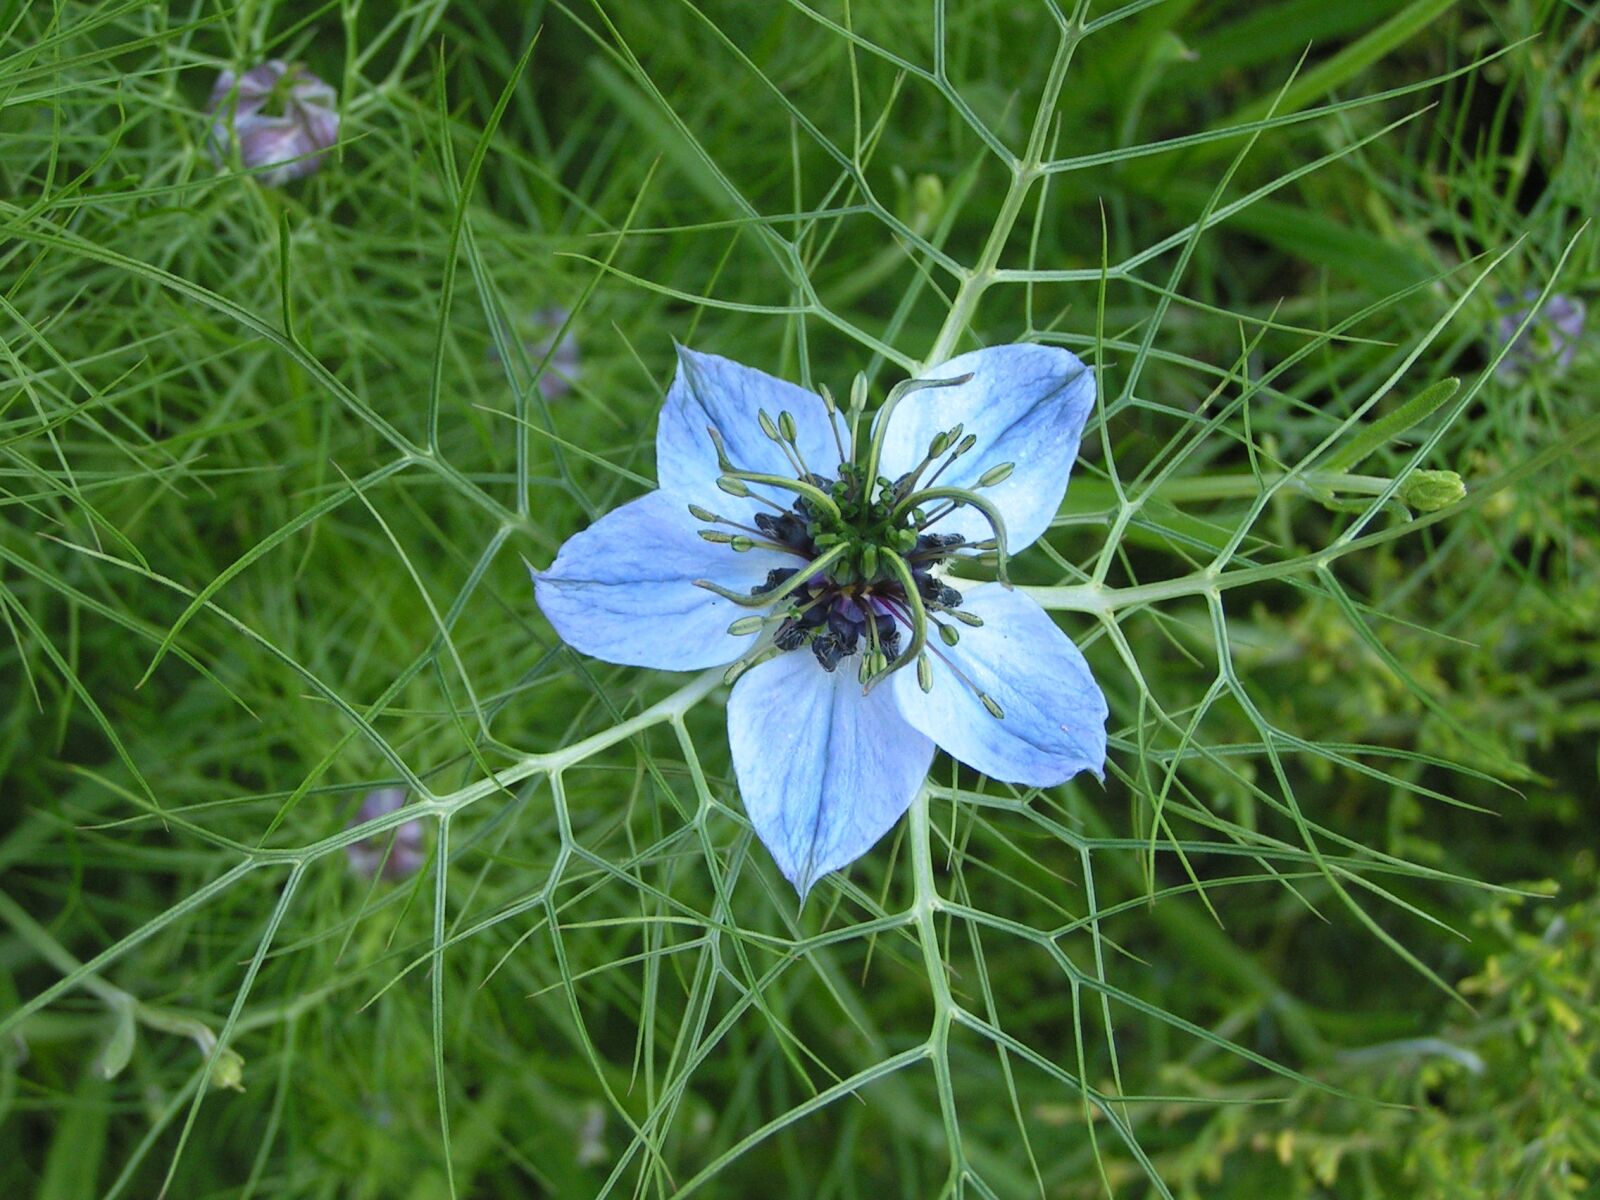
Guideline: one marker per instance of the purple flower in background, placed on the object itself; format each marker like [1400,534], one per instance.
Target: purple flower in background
[398,854]
[565,364]
[277,115]
[810,548]
[1552,336]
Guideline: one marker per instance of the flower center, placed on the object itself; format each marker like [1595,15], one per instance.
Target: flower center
[868,575]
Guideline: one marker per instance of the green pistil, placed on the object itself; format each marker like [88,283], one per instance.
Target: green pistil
[901,570]
[963,496]
[799,487]
[788,587]
[880,429]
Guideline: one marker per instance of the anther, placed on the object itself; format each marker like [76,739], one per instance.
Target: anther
[746,625]
[995,711]
[924,673]
[997,474]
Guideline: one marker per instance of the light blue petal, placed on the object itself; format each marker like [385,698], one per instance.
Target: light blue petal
[1027,405]
[824,770]
[1055,714]
[719,393]
[623,589]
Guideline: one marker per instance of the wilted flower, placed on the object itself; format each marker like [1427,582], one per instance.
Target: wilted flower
[276,115]
[565,365]
[810,548]
[1552,336]
[398,854]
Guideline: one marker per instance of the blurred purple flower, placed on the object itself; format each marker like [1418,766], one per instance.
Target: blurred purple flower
[277,115]
[565,363]
[398,854]
[1551,338]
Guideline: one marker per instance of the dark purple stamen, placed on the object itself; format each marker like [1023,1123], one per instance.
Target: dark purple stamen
[832,617]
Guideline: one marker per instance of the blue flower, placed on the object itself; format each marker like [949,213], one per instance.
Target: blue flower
[810,548]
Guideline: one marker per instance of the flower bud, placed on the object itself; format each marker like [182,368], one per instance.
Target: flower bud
[1551,338]
[277,116]
[228,1070]
[1429,491]
[373,854]
[927,201]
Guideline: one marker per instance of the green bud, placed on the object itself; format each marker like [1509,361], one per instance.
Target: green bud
[858,392]
[869,562]
[998,474]
[786,425]
[949,634]
[1429,491]
[119,1046]
[924,672]
[995,711]
[927,201]
[904,539]
[734,487]
[228,1071]
[746,625]
[824,540]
